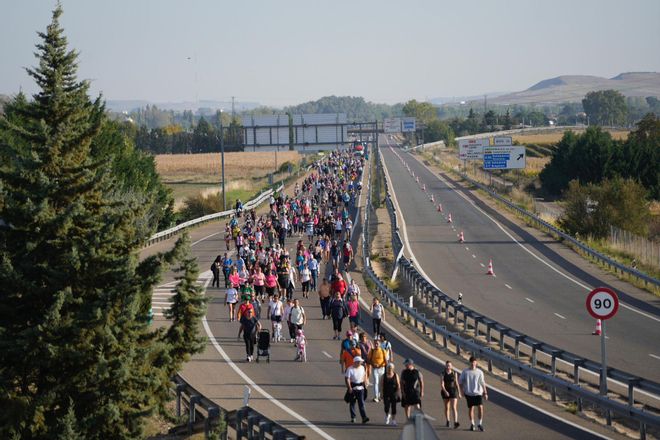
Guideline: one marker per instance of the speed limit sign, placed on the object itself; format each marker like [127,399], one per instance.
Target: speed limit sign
[602,303]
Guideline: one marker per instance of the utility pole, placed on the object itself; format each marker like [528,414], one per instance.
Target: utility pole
[222,155]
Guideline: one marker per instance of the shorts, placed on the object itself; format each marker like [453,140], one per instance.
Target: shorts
[270,291]
[355,320]
[473,401]
[452,394]
[283,280]
[276,318]
[259,290]
[346,259]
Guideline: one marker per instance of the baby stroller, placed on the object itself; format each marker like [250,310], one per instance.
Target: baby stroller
[263,345]
[301,343]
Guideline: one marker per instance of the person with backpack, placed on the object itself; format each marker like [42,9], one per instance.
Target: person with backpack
[357,381]
[376,362]
[412,387]
[348,356]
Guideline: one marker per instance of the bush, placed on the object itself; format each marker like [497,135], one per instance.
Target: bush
[200,205]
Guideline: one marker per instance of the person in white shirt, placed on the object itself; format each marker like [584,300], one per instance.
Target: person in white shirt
[474,389]
[357,380]
[275,312]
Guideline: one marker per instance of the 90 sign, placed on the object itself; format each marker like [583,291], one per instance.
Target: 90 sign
[602,303]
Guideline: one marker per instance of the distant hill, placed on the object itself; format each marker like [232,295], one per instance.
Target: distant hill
[572,88]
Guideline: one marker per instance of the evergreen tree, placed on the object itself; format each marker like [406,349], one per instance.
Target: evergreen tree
[73,296]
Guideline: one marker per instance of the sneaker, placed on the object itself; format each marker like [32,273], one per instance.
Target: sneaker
[481,428]
[365,420]
[376,399]
[456,425]
[447,424]
[393,423]
[352,419]
[247,359]
[471,427]
[387,419]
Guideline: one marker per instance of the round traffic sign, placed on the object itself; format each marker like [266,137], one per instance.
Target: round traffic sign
[602,303]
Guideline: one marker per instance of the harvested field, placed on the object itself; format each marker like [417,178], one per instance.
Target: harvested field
[205,168]
[554,137]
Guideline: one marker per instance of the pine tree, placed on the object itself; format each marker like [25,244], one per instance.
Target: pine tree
[73,296]
[188,307]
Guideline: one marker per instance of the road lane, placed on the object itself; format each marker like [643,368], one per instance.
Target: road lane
[454,269]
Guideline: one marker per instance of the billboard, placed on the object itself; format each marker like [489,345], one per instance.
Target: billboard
[392,125]
[472,149]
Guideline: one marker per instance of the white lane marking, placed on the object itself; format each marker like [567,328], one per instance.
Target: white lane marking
[460,194]
[560,316]
[654,356]
[202,239]
[509,287]
[423,352]
[421,270]
[328,355]
[467,248]
[474,256]
[530,300]
[250,382]
[482,265]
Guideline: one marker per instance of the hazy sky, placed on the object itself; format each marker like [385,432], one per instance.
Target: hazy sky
[287,52]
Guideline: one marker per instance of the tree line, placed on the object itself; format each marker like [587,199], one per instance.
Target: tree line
[79,358]
[605,181]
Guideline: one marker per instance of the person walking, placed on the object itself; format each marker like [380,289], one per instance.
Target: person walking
[216,267]
[377,316]
[324,297]
[412,387]
[297,318]
[250,327]
[338,312]
[357,380]
[450,392]
[474,389]
[391,392]
[376,362]
[275,311]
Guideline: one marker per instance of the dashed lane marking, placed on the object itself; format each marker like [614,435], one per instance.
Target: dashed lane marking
[560,316]
[328,355]
[530,300]
[509,287]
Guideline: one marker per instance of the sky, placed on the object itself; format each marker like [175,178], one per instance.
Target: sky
[286,52]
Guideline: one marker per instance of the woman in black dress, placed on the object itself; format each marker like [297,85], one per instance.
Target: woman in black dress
[451,392]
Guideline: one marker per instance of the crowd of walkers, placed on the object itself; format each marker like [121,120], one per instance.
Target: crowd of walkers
[266,281]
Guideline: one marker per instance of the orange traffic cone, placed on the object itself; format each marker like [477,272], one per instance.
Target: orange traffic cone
[449,219]
[599,329]
[439,207]
[461,237]
[490,268]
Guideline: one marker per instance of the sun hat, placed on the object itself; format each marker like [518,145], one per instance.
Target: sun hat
[358,359]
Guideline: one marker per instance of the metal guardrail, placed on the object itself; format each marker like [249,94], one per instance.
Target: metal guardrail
[564,236]
[164,235]
[531,373]
[244,423]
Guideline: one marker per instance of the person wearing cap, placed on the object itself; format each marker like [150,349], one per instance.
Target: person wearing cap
[474,389]
[356,382]
[412,387]
[348,355]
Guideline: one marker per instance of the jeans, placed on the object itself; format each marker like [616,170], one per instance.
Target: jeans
[325,306]
[358,396]
[315,279]
[376,375]
[250,341]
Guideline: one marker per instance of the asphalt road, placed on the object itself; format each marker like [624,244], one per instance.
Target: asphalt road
[540,287]
[307,397]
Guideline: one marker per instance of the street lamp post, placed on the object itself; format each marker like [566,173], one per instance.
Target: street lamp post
[222,155]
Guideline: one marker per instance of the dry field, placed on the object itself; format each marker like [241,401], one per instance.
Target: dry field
[554,137]
[205,168]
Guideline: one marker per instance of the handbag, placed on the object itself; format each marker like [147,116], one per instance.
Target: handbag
[348,397]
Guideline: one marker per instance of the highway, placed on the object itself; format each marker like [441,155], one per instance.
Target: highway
[307,397]
[540,286]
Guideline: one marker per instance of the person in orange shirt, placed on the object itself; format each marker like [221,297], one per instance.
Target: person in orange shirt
[347,356]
